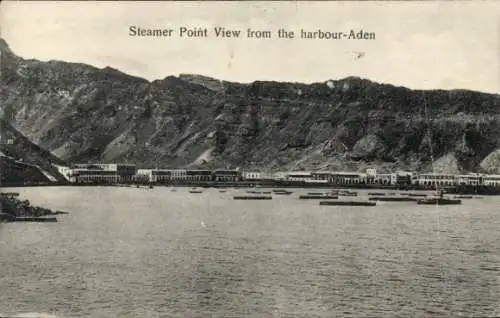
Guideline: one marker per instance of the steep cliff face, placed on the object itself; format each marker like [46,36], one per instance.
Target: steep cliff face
[22,161]
[82,113]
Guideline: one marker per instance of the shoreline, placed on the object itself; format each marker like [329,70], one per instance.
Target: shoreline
[464,190]
[13,209]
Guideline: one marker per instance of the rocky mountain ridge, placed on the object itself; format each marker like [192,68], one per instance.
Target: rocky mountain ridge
[85,114]
[22,161]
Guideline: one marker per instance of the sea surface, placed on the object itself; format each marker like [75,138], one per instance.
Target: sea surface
[137,252]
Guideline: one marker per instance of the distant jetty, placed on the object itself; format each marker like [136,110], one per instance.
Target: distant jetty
[14,210]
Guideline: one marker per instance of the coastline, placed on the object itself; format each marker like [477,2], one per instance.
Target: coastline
[13,209]
[462,190]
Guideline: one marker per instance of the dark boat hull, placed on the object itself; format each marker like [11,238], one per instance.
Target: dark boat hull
[252,198]
[439,201]
[348,194]
[393,199]
[317,197]
[348,203]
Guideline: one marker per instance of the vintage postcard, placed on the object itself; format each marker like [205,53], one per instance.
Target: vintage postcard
[249,159]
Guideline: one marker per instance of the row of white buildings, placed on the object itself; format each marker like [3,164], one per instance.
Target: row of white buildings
[123,173]
[370,176]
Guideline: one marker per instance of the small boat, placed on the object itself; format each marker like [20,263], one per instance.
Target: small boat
[222,191]
[463,197]
[416,194]
[252,197]
[376,193]
[349,203]
[259,192]
[348,193]
[282,192]
[194,190]
[316,193]
[439,200]
[323,196]
[393,199]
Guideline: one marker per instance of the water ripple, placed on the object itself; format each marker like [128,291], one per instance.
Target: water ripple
[283,258]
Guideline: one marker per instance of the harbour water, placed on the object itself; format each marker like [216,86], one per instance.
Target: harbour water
[137,252]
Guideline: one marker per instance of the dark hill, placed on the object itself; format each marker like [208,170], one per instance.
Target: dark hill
[22,161]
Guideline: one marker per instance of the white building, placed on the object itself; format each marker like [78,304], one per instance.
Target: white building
[66,172]
[178,174]
[436,179]
[371,172]
[347,177]
[468,179]
[252,175]
[492,180]
[304,176]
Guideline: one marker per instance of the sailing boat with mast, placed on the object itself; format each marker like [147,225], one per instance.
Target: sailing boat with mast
[438,198]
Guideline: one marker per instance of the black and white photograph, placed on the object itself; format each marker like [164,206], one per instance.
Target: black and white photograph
[249,159]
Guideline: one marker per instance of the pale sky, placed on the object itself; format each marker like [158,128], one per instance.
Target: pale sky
[425,45]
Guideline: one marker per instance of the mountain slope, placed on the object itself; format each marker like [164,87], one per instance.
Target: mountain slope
[23,161]
[82,113]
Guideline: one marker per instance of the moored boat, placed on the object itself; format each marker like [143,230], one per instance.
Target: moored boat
[415,194]
[393,199]
[317,197]
[283,192]
[439,201]
[279,190]
[349,203]
[348,193]
[259,192]
[252,197]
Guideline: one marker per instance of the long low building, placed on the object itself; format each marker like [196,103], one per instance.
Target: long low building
[492,180]
[185,175]
[123,173]
[101,173]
